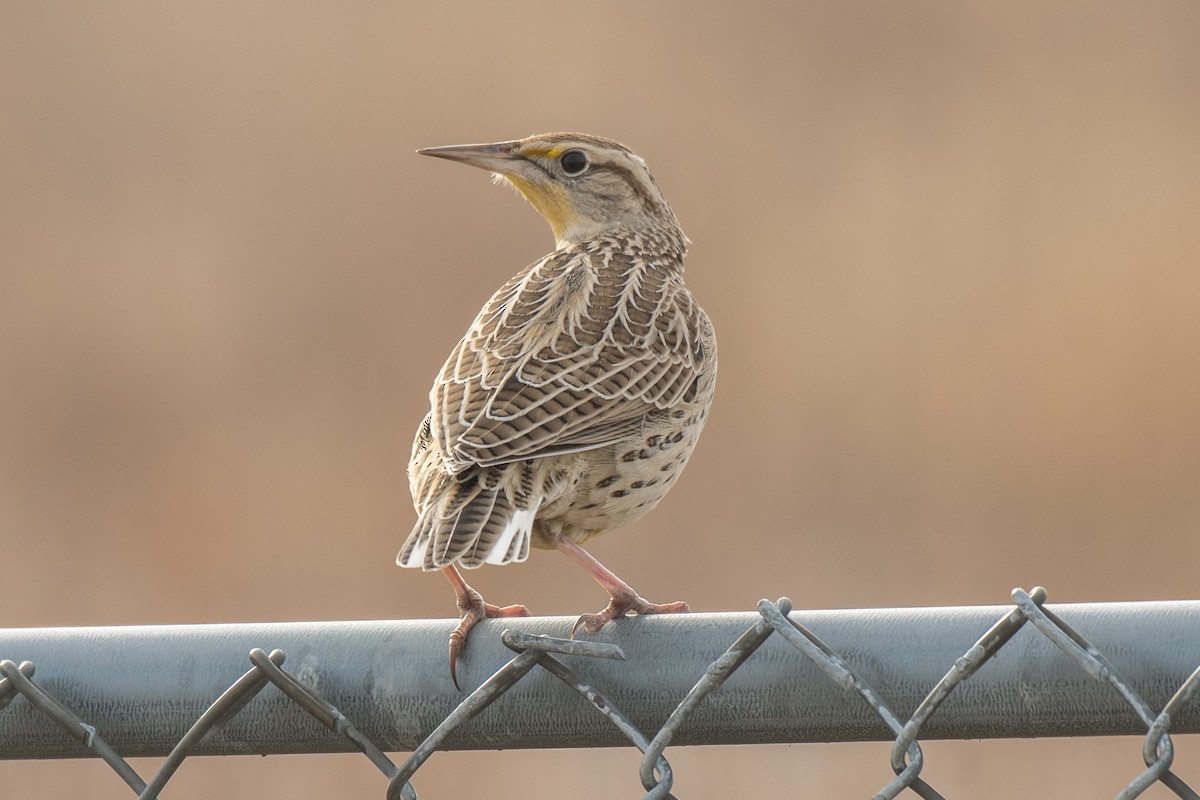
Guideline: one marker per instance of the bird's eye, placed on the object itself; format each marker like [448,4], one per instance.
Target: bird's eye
[574,162]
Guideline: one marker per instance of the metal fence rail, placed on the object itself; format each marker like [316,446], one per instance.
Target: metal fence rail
[887,674]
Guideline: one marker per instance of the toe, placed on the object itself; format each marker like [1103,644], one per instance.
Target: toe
[492,611]
[679,607]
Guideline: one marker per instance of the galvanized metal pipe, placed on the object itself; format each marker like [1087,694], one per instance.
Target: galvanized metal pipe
[142,687]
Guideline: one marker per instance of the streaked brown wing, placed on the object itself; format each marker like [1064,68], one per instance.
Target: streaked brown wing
[569,355]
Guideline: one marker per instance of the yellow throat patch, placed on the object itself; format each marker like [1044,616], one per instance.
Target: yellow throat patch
[549,200]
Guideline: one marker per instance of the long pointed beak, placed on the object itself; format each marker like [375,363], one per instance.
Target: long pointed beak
[498,157]
[504,160]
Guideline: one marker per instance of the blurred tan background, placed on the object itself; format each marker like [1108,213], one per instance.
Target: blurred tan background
[950,250]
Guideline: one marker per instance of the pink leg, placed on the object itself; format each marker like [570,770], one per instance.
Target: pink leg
[624,598]
[471,608]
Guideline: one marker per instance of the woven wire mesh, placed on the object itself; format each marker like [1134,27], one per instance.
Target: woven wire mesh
[546,653]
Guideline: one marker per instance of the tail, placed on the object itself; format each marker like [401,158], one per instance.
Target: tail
[470,519]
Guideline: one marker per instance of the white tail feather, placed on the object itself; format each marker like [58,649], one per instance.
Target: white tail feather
[518,525]
[416,558]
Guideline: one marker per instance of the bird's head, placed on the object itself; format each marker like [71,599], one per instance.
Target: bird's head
[583,185]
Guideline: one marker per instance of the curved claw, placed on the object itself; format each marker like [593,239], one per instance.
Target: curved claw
[588,622]
[470,615]
[458,643]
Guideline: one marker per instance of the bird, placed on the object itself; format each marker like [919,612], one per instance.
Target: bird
[576,397]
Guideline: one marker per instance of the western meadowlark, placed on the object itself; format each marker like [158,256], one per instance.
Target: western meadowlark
[575,399]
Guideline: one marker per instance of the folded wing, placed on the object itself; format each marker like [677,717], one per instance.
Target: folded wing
[569,355]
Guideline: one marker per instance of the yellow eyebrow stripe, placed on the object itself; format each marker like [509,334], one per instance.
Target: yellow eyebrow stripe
[551,152]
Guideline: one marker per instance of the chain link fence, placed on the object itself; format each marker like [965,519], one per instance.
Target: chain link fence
[100,692]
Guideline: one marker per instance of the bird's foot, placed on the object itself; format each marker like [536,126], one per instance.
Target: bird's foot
[623,604]
[473,609]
